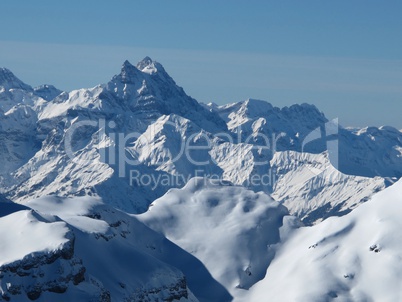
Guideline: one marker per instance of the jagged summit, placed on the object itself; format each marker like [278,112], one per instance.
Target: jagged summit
[147,61]
[149,91]
[6,75]
[129,73]
[147,65]
[127,63]
[9,81]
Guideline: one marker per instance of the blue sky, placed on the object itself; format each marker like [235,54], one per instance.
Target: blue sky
[343,56]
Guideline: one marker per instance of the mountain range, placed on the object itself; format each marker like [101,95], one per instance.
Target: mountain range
[134,191]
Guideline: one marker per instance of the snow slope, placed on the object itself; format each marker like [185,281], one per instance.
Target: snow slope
[81,249]
[356,257]
[165,146]
[313,190]
[232,230]
[78,249]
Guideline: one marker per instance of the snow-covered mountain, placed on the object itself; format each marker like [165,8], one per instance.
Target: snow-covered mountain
[8,81]
[369,151]
[158,122]
[312,189]
[47,92]
[39,163]
[230,229]
[356,257]
[83,250]
[93,251]
[259,120]
[210,191]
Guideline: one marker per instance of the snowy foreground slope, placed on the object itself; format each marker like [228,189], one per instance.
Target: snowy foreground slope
[357,257]
[78,249]
[233,231]
[83,250]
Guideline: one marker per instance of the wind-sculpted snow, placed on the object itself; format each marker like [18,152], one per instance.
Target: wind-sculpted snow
[356,257]
[23,234]
[233,231]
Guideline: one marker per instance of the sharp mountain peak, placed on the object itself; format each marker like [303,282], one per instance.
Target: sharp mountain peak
[9,81]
